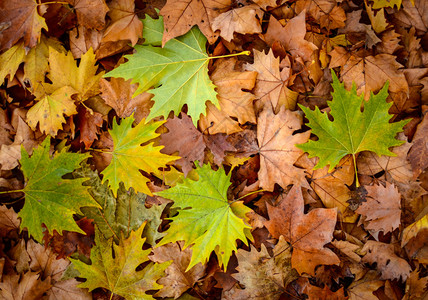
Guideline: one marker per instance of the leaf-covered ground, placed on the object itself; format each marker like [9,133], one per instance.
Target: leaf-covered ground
[214,149]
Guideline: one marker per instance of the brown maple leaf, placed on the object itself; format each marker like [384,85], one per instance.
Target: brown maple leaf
[272,83]
[180,16]
[20,19]
[326,12]
[90,13]
[125,23]
[8,221]
[233,100]
[307,233]
[177,280]
[419,152]
[316,293]
[245,20]
[355,30]
[184,138]
[118,94]
[388,263]
[277,149]
[23,286]
[291,36]
[264,276]
[363,288]
[369,73]
[382,211]
[88,123]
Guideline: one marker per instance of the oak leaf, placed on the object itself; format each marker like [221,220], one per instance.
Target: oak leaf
[388,263]
[176,280]
[178,71]
[22,20]
[382,211]
[277,149]
[118,273]
[291,36]
[182,15]
[90,13]
[245,20]
[47,194]
[125,23]
[206,219]
[272,83]
[128,156]
[263,276]
[307,233]
[234,99]
[352,130]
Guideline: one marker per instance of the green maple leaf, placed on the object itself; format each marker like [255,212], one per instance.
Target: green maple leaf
[118,273]
[178,71]
[49,198]
[129,156]
[206,218]
[352,130]
[120,214]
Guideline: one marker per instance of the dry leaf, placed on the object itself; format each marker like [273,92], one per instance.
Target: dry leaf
[245,20]
[177,280]
[90,13]
[382,211]
[419,152]
[307,233]
[277,149]
[388,263]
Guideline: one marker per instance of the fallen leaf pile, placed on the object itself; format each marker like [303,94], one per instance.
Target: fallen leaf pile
[200,149]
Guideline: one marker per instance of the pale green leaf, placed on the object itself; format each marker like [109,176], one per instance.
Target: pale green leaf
[206,218]
[129,156]
[47,194]
[118,273]
[178,71]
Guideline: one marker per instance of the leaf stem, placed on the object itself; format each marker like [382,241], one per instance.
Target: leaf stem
[357,183]
[53,2]
[251,193]
[100,150]
[231,55]
[9,192]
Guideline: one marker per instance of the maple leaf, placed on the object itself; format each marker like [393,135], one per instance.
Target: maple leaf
[245,20]
[118,273]
[382,211]
[277,148]
[413,229]
[117,93]
[291,36]
[326,12]
[352,130]
[27,286]
[47,194]
[121,214]
[180,16]
[387,3]
[125,23]
[22,21]
[364,287]
[213,224]
[388,263]
[128,156]
[307,233]
[419,152]
[271,84]
[264,276]
[177,280]
[8,221]
[10,61]
[90,13]
[179,71]
[68,79]
[88,122]
[234,100]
